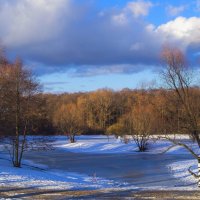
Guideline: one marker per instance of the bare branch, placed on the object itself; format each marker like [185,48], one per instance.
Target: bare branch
[181,144]
[171,147]
[192,173]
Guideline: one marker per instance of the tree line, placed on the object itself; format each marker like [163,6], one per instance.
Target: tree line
[142,112]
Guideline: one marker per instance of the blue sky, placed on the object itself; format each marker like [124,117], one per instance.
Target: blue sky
[84,45]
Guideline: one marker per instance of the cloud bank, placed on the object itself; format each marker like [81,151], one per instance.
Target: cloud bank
[66,34]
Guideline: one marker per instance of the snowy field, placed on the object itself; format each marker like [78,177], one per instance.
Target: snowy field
[37,175]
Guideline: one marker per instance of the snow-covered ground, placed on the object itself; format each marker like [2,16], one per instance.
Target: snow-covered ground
[103,144]
[28,176]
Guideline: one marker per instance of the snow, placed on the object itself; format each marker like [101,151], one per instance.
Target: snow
[180,171]
[28,177]
[47,179]
[101,144]
[31,175]
[94,144]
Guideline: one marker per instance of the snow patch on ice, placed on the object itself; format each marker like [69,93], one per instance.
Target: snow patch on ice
[48,179]
[180,171]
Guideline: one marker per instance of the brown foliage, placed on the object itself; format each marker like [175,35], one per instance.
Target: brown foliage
[68,119]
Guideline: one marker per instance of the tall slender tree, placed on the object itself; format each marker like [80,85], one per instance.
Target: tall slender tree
[18,90]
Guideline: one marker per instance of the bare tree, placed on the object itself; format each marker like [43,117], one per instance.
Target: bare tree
[17,89]
[138,123]
[178,78]
[69,120]
[142,120]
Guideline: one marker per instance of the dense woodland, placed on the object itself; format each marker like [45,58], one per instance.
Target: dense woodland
[101,112]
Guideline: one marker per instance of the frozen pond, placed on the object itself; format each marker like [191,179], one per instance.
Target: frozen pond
[140,170]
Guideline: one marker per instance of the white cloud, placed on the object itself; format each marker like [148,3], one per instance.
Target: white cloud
[139,8]
[175,10]
[26,21]
[185,31]
[107,69]
[133,9]
[120,19]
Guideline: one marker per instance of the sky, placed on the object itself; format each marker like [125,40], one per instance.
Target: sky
[84,45]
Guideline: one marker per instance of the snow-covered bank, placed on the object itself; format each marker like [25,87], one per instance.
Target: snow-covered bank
[103,144]
[98,144]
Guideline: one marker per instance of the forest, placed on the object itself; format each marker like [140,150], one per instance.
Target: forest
[172,108]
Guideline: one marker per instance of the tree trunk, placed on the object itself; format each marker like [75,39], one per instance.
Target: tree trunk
[16,162]
[72,138]
[199,171]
